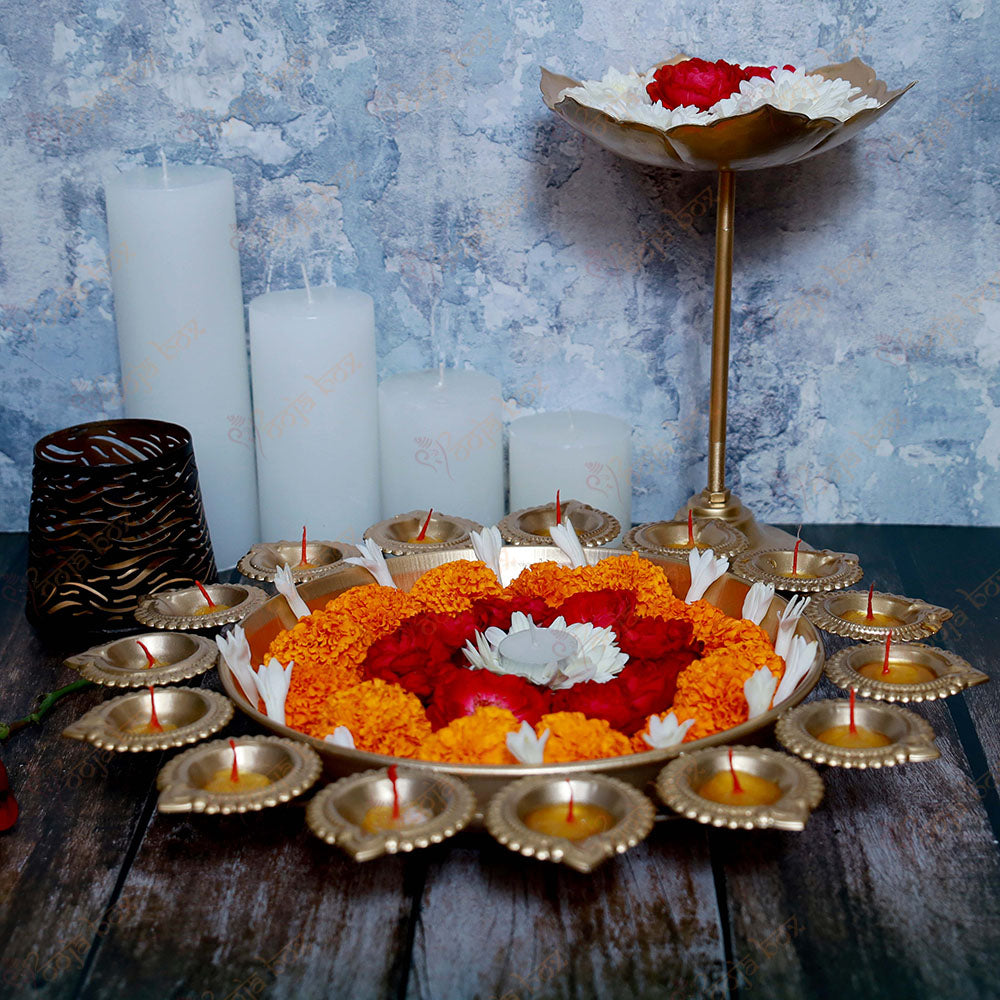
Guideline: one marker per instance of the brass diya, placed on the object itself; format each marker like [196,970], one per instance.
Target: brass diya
[432,807]
[186,607]
[801,788]
[531,526]
[265,558]
[186,715]
[638,770]
[396,535]
[844,614]
[630,817]
[670,538]
[910,737]
[951,673]
[289,767]
[815,571]
[123,663]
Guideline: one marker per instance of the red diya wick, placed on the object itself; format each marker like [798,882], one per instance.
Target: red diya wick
[853,727]
[303,560]
[737,787]
[795,554]
[234,775]
[691,528]
[569,812]
[154,722]
[204,593]
[870,615]
[149,655]
[558,512]
[423,530]
[888,643]
[393,774]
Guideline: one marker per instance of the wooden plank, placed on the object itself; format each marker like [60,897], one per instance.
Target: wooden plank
[494,925]
[871,899]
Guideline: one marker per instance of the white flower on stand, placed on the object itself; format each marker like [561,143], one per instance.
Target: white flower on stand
[788,621]
[487,545]
[758,691]
[666,732]
[236,652]
[371,559]
[527,747]
[272,682]
[757,601]
[796,90]
[564,535]
[797,663]
[340,737]
[706,568]
[286,587]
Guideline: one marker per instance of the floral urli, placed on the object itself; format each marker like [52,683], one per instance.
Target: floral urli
[429,703]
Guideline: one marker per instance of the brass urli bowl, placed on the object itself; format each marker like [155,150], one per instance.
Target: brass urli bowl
[639,770]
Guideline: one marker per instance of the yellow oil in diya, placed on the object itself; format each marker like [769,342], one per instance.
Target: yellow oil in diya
[869,617]
[393,817]
[853,735]
[899,672]
[739,788]
[211,607]
[574,821]
[422,538]
[153,725]
[228,780]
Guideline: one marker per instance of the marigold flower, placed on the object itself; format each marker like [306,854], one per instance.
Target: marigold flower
[454,586]
[645,579]
[573,736]
[550,581]
[480,738]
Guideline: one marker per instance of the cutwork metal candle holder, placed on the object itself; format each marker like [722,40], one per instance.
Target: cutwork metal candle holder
[815,571]
[116,513]
[123,663]
[531,526]
[265,558]
[396,535]
[670,539]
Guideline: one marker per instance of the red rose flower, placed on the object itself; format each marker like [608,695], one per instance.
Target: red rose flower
[493,611]
[651,638]
[414,656]
[694,82]
[463,691]
[603,608]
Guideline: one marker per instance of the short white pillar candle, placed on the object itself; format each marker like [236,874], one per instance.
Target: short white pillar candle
[586,456]
[442,444]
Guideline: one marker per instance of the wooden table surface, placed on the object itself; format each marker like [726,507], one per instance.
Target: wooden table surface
[893,889]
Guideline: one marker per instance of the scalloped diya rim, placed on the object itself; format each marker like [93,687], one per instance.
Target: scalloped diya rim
[912,738]
[459,530]
[486,779]
[593,527]
[953,673]
[634,816]
[764,137]
[924,619]
[254,565]
[730,545]
[97,664]
[845,569]
[165,608]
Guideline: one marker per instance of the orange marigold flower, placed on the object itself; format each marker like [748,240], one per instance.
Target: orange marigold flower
[551,581]
[382,718]
[573,736]
[644,578]
[453,586]
[480,738]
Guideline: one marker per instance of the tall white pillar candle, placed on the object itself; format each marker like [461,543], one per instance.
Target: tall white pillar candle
[442,444]
[586,456]
[181,335]
[316,411]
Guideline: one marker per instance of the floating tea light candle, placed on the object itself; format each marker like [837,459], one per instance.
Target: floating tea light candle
[574,822]
[896,671]
[739,788]
[395,817]
[852,735]
[229,780]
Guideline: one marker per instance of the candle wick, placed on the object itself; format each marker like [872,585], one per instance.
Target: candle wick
[870,616]
[795,558]
[737,787]
[204,593]
[163,167]
[304,560]
[154,722]
[853,727]
[888,643]
[305,278]
[149,656]
[234,775]
[569,811]
[423,530]
[691,528]
[558,511]
[393,773]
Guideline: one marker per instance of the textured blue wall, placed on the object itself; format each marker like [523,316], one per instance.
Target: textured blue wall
[404,148]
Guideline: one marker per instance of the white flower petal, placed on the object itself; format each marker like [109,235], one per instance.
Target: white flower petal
[797,663]
[236,652]
[526,746]
[272,682]
[666,732]
[757,601]
[564,535]
[788,621]
[286,587]
[758,691]
[340,737]
[706,568]
[487,545]
[373,560]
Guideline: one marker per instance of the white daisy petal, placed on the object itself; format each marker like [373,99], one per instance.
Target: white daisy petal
[788,621]
[800,657]
[236,652]
[564,535]
[373,560]
[272,682]
[666,732]
[526,746]
[757,601]
[706,568]
[286,587]
[487,545]
[758,691]
[340,737]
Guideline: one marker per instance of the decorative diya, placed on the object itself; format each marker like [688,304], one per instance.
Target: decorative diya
[422,531]
[322,557]
[158,719]
[672,539]
[199,607]
[147,658]
[388,811]
[929,673]
[578,821]
[818,731]
[847,614]
[532,525]
[741,788]
[806,571]
[244,774]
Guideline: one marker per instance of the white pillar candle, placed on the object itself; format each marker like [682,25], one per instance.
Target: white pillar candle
[586,456]
[442,444]
[316,411]
[181,335]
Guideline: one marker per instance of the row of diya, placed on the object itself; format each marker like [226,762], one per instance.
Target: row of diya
[579,821]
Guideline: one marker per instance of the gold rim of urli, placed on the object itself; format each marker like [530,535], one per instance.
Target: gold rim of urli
[633,812]
[453,532]
[953,674]
[912,618]
[172,609]
[265,558]
[106,664]
[593,527]
[293,766]
[911,738]
[723,539]
[830,570]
